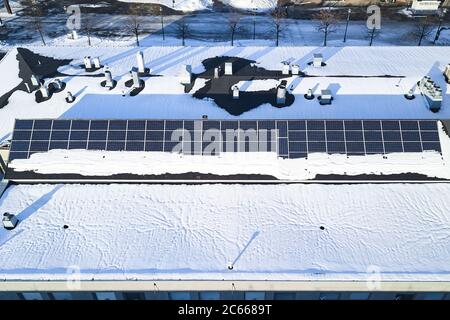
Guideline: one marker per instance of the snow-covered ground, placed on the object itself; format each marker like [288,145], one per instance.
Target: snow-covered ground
[368,97]
[194,5]
[195,232]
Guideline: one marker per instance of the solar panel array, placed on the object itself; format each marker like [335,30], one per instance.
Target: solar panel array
[289,138]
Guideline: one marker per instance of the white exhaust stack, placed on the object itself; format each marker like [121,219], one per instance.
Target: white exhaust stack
[140,62]
[228,68]
[69,97]
[97,63]
[87,62]
[281,94]
[109,83]
[447,73]
[135,76]
[285,68]
[295,69]
[44,91]
[235,92]
[317,60]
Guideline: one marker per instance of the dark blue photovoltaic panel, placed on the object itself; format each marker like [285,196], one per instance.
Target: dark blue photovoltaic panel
[292,138]
[353,125]
[42,124]
[409,125]
[60,135]
[61,125]
[98,135]
[390,125]
[80,124]
[335,136]
[155,125]
[392,136]
[428,125]
[371,125]
[99,125]
[23,125]
[297,125]
[22,135]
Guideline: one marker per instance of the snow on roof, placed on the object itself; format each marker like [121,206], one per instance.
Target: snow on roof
[196,231]
[369,96]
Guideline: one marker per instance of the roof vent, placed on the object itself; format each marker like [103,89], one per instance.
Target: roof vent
[9,221]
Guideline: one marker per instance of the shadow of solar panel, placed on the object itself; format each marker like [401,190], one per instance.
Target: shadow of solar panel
[118,125]
[316,135]
[98,135]
[61,125]
[336,147]
[77,144]
[334,125]
[429,146]
[393,146]
[115,146]
[295,155]
[372,125]
[80,124]
[429,136]
[392,136]
[40,135]
[60,135]
[410,136]
[62,145]
[373,136]
[20,146]
[154,146]
[23,124]
[316,146]
[135,146]
[354,136]
[155,125]
[412,147]
[428,125]
[337,136]
[283,146]
[297,135]
[297,125]
[96,145]
[353,125]
[409,125]
[266,124]
[315,125]
[39,145]
[17,155]
[355,147]
[78,135]
[390,125]
[136,125]
[374,147]
[21,135]
[298,147]
[42,124]
[99,125]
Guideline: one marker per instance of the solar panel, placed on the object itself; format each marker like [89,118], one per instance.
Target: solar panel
[289,138]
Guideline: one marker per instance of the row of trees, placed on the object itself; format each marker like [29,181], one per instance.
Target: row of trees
[327,20]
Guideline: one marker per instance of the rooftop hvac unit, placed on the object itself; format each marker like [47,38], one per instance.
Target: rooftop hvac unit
[318,60]
[295,69]
[281,94]
[447,73]
[325,97]
[9,221]
[285,68]
[432,93]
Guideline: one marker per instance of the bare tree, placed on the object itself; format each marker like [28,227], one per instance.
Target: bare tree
[7,6]
[278,14]
[35,13]
[182,29]
[423,28]
[328,19]
[134,21]
[233,20]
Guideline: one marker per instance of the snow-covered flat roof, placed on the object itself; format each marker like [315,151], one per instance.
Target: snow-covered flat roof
[371,95]
[196,231]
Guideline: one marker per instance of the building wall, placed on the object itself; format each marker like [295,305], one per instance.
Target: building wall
[224,295]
